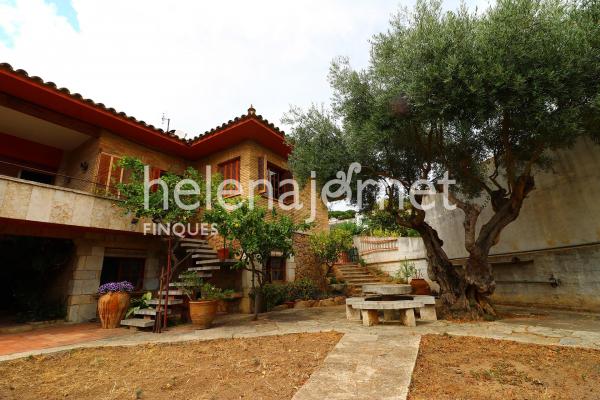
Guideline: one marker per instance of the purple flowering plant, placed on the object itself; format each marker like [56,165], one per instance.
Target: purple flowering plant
[116,287]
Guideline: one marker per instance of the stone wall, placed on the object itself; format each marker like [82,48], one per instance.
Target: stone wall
[306,264]
[557,234]
[89,257]
[37,202]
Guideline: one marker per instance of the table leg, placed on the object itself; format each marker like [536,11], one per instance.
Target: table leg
[352,314]
[407,317]
[370,317]
[428,313]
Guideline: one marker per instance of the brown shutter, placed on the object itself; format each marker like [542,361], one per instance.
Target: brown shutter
[288,187]
[262,162]
[116,174]
[103,173]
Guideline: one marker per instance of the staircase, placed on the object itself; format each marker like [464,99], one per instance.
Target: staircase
[355,276]
[204,259]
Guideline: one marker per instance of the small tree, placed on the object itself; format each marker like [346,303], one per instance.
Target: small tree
[257,234]
[327,246]
[132,199]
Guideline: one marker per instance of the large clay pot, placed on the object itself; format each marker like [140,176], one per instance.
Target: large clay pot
[202,313]
[420,286]
[112,307]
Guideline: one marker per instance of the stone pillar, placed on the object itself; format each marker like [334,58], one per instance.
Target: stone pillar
[370,317]
[245,304]
[83,286]
[151,272]
[407,317]
[428,313]
[290,269]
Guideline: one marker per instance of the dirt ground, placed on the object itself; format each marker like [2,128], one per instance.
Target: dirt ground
[452,367]
[271,367]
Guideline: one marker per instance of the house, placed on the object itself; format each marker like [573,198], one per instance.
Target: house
[61,234]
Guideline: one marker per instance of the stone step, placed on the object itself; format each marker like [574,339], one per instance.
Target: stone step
[185,284]
[193,245]
[202,251]
[361,281]
[197,246]
[149,311]
[205,268]
[154,302]
[192,240]
[204,256]
[172,292]
[138,322]
[356,273]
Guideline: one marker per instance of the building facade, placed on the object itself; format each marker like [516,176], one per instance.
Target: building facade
[58,167]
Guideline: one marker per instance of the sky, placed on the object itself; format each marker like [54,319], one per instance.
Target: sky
[200,62]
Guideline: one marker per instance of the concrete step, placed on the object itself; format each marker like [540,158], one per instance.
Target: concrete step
[205,268]
[172,292]
[197,246]
[149,311]
[138,322]
[193,245]
[154,302]
[204,256]
[184,284]
[216,261]
[361,281]
[202,251]
[191,240]
[355,273]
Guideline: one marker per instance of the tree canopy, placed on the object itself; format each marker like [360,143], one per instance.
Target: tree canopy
[485,96]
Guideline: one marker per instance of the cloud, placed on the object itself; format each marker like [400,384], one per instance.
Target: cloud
[201,62]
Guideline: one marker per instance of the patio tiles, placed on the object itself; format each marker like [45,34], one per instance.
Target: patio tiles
[56,336]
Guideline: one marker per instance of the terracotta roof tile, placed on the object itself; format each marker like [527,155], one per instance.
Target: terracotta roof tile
[76,96]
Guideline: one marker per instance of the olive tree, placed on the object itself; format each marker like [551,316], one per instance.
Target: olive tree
[486,97]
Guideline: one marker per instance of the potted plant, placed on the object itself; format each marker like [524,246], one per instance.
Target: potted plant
[405,272]
[113,303]
[419,284]
[203,299]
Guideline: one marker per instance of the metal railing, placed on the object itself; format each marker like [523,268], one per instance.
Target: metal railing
[37,175]
[369,244]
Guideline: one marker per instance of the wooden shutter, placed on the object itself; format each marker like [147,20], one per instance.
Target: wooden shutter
[262,164]
[288,187]
[103,172]
[116,175]
[154,174]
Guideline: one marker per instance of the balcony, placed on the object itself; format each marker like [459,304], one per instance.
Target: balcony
[59,199]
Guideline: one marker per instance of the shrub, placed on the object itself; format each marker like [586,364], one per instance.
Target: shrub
[275,294]
[304,289]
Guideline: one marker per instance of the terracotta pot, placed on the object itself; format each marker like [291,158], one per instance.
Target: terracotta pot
[223,254]
[203,312]
[112,307]
[290,304]
[420,286]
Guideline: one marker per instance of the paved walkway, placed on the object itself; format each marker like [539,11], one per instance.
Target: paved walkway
[369,362]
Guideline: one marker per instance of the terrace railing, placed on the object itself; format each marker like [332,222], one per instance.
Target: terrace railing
[38,175]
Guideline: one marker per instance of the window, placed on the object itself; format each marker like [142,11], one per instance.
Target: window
[276,269]
[118,269]
[276,176]
[230,169]
[109,174]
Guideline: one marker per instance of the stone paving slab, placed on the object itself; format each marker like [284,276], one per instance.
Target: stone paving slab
[368,363]
[364,366]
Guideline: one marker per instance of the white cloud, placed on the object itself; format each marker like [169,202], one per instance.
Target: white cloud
[202,62]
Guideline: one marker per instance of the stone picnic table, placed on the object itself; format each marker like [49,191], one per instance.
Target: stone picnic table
[394,300]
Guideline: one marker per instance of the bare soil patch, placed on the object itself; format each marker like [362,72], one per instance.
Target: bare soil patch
[453,367]
[271,367]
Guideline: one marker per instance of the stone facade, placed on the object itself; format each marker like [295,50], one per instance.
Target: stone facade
[306,264]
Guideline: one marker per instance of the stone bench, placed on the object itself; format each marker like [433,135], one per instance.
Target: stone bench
[406,309]
[358,308]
